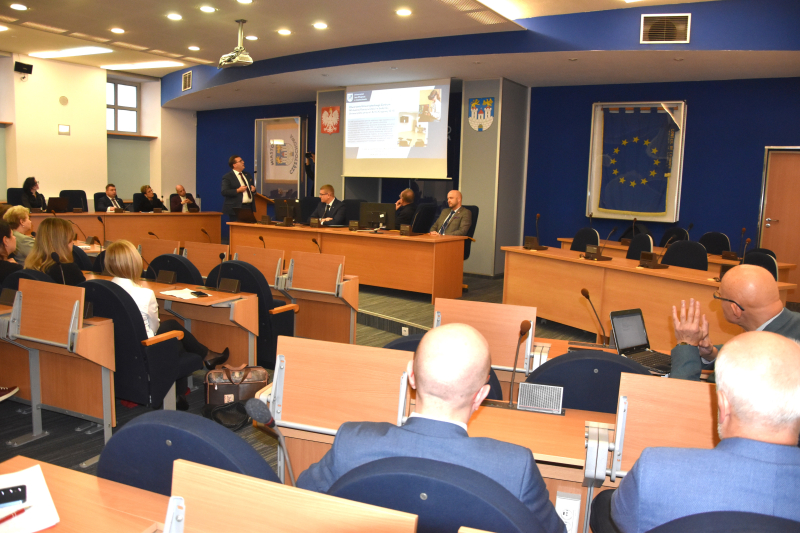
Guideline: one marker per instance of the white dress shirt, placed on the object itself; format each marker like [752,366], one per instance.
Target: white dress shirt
[146,302]
[184,207]
[246,198]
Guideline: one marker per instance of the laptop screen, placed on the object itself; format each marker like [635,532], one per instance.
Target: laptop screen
[629,330]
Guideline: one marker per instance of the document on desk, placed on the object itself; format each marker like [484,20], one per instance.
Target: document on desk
[42,513]
[183,294]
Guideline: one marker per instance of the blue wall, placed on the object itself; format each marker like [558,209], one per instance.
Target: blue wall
[224,132]
[728,124]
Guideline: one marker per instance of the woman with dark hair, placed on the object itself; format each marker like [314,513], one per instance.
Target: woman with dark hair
[150,200]
[31,197]
[55,235]
[8,243]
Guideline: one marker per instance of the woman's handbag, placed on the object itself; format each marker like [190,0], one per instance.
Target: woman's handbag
[234,384]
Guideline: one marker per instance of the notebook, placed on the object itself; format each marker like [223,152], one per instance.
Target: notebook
[630,336]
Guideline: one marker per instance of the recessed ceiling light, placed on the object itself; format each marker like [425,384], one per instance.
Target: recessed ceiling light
[148,64]
[3,28]
[245,1]
[324,75]
[117,30]
[476,62]
[678,59]
[195,48]
[392,68]
[403,12]
[19,7]
[174,16]
[573,58]
[207,9]
[251,38]
[320,25]
[72,52]
[284,32]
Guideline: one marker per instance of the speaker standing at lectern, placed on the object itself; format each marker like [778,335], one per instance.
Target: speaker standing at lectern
[449,371]
[237,188]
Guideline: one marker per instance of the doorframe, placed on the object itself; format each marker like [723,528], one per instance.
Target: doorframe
[767,151]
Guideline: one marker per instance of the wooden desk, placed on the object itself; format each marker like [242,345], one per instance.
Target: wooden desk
[89,504]
[715,262]
[429,264]
[134,226]
[551,280]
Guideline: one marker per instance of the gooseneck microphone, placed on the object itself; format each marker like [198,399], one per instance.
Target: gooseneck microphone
[538,244]
[524,327]
[79,229]
[600,254]
[741,243]
[744,252]
[666,245]
[260,238]
[314,240]
[633,228]
[219,274]
[54,257]
[585,294]
[688,229]
[153,234]
[258,411]
[103,222]
[204,232]
[590,219]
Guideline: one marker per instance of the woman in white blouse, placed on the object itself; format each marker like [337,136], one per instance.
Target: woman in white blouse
[125,264]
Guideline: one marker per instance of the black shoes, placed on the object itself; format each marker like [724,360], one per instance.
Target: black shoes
[218,360]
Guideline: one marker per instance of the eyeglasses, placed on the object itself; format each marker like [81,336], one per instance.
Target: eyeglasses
[718,297]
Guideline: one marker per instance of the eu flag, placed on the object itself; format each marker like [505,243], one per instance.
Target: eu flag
[638,144]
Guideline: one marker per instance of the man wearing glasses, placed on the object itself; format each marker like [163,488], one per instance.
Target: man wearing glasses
[330,211]
[750,299]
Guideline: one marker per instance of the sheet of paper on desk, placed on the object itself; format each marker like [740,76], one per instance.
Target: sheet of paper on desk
[42,513]
[183,294]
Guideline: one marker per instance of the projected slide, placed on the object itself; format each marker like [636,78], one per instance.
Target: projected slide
[397,131]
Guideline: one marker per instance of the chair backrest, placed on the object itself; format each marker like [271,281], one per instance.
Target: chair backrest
[456,495]
[264,259]
[97,197]
[47,310]
[75,199]
[141,454]
[423,218]
[676,234]
[590,378]
[641,243]
[630,233]
[762,260]
[728,521]
[715,242]
[12,280]
[185,271]
[137,202]
[14,196]
[352,209]
[471,231]
[81,259]
[152,248]
[307,206]
[585,236]
[204,255]
[763,251]
[687,254]
[99,265]
[171,196]
[319,272]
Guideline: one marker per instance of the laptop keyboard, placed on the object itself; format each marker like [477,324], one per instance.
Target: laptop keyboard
[654,360]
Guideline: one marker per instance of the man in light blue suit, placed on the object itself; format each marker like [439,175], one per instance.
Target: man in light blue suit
[449,371]
[756,466]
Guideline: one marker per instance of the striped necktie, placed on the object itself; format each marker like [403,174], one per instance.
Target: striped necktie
[446,222]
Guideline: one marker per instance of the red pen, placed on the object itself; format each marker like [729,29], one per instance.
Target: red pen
[12,515]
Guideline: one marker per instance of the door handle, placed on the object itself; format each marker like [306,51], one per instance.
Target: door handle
[770,220]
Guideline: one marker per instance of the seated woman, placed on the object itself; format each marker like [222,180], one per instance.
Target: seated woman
[30,195]
[125,264]
[150,201]
[7,265]
[18,217]
[55,235]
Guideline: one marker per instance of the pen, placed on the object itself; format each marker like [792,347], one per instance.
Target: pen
[12,515]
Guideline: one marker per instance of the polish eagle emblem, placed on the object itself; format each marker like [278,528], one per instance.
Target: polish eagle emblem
[330,120]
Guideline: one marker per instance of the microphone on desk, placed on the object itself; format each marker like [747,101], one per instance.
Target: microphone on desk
[103,222]
[688,229]
[590,219]
[152,234]
[633,228]
[260,238]
[741,243]
[33,234]
[746,244]
[53,212]
[524,328]
[666,245]
[221,260]
[538,244]
[54,257]
[204,232]
[600,254]
[79,229]
[258,411]
[585,294]
[314,240]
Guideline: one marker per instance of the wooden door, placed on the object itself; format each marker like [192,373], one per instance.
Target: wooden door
[780,216]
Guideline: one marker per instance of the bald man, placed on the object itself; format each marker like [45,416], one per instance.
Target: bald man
[749,297]
[756,466]
[454,221]
[182,202]
[449,371]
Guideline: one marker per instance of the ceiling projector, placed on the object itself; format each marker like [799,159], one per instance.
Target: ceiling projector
[239,57]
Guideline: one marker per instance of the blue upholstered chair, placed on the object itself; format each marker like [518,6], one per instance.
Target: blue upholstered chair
[455,496]
[686,254]
[585,236]
[81,259]
[12,280]
[14,196]
[762,260]
[629,233]
[97,197]
[76,199]
[423,218]
[590,378]
[471,231]
[352,209]
[142,452]
[729,522]
[676,234]
[715,242]
[307,206]
[99,265]
[763,251]
[641,243]
[137,202]
[184,270]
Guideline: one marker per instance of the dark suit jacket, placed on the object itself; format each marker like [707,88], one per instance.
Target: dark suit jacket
[233,199]
[512,466]
[72,274]
[31,202]
[147,206]
[105,202]
[336,213]
[175,203]
[405,215]
[459,224]
[738,475]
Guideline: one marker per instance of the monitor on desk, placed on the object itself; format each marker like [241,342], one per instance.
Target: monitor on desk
[372,215]
[287,208]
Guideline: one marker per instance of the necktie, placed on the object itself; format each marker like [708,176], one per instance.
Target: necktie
[327,210]
[246,184]
[446,222]
[114,201]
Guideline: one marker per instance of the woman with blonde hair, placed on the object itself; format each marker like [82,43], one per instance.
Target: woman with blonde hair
[125,264]
[18,217]
[55,235]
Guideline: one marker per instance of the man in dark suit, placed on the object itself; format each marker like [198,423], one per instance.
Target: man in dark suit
[237,188]
[449,371]
[454,221]
[110,200]
[405,209]
[330,211]
[750,299]
[182,202]
[756,466]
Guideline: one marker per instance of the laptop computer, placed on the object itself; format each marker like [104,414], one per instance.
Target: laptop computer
[57,204]
[630,336]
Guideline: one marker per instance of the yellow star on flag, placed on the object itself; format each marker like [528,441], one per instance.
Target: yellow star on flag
[622,180]
[653,173]
[616,150]
[613,161]
[644,181]
[636,139]
[633,184]
[616,171]
[624,142]
[656,162]
[654,150]
[646,143]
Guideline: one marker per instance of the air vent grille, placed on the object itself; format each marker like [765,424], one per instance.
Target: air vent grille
[187,81]
[486,17]
[674,28]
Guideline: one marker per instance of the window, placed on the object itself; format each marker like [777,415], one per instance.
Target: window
[122,107]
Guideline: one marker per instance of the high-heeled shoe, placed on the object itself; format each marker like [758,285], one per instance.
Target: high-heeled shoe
[218,360]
